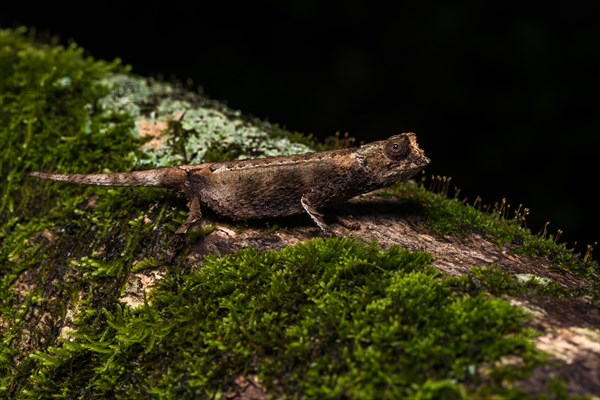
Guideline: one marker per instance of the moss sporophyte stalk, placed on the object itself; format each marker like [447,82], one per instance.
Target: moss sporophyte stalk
[90,309]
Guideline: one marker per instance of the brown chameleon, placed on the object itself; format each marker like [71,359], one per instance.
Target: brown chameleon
[276,186]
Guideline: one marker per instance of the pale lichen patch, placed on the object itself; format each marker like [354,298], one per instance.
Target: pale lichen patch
[154,130]
[205,126]
[527,278]
[138,285]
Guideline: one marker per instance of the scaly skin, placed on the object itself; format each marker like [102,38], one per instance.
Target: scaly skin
[276,186]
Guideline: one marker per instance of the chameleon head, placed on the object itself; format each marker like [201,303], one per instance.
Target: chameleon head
[393,160]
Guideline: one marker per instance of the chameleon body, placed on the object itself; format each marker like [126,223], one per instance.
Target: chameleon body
[276,186]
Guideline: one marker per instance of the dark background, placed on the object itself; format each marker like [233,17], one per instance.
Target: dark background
[503,97]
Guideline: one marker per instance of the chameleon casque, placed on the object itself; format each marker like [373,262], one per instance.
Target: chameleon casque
[276,186]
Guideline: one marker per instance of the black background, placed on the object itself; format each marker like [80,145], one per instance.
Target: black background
[503,97]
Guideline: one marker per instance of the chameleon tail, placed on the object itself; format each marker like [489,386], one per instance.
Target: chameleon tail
[173,178]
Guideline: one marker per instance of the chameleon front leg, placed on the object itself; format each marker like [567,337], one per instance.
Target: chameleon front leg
[178,240]
[194,215]
[316,216]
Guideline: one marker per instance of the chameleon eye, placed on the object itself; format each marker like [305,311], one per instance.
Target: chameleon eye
[397,149]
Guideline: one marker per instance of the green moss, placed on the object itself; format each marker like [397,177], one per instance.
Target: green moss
[324,319]
[57,240]
[447,216]
[498,282]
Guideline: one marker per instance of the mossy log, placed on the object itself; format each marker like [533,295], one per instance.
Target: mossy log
[419,295]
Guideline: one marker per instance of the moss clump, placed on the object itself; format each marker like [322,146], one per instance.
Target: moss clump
[324,319]
[501,283]
[49,118]
[446,216]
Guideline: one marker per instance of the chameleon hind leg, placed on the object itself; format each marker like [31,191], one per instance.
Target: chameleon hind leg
[316,216]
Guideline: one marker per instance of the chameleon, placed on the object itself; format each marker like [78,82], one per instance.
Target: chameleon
[275,186]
